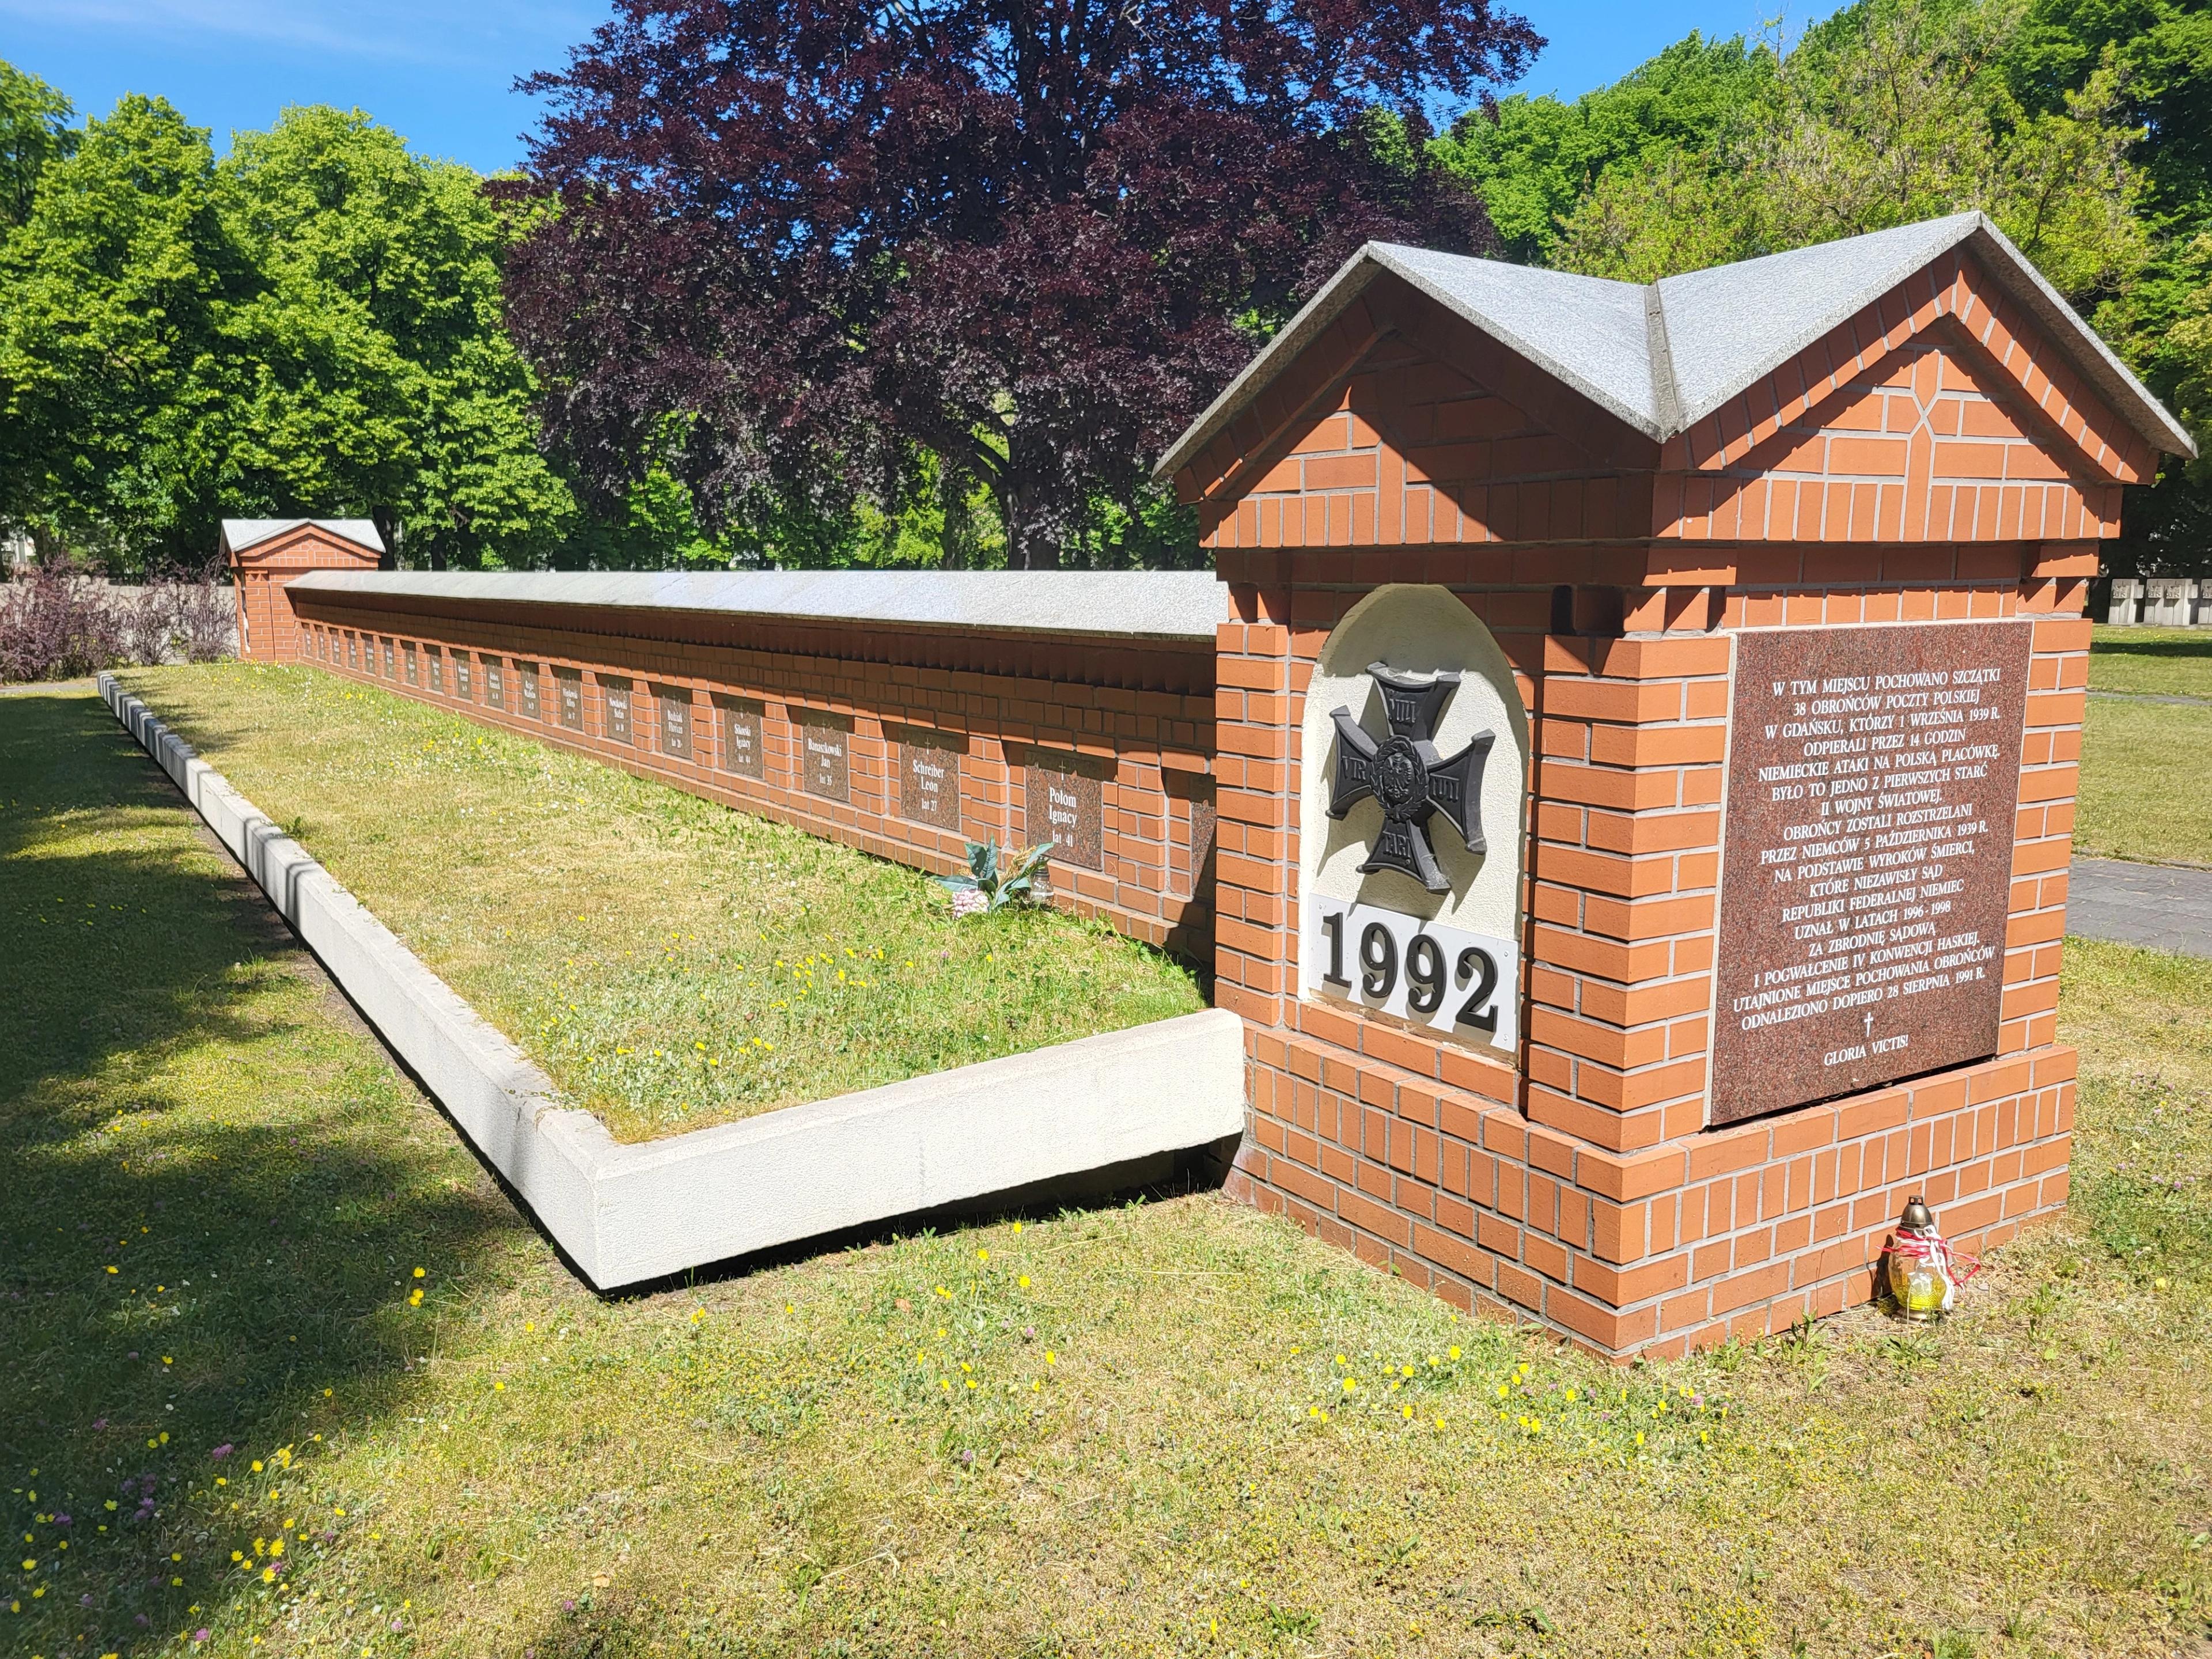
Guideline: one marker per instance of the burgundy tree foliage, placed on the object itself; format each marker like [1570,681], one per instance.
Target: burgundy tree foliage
[1018,233]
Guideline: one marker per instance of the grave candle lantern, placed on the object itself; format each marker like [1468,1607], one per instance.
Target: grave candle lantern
[1921,1274]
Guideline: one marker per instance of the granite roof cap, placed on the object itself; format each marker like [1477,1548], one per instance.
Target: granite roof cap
[1662,357]
[239,534]
[1166,605]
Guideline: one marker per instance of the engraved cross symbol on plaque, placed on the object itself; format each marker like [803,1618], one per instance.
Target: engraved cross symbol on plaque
[1407,777]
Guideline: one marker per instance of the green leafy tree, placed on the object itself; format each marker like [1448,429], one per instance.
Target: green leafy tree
[2162,52]
[1886,114]
[113,297]
[1532,159]
[311,326]
[381,378]
[35,130]
[2162,49]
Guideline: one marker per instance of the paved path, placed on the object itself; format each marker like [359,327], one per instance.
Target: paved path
[38,688]
[2161,905]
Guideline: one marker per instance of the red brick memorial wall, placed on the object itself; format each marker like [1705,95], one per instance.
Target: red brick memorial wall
[1802,681]
[905,743]
[1630,797]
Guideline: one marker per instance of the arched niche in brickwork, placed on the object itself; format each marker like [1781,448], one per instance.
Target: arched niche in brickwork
[1418,630]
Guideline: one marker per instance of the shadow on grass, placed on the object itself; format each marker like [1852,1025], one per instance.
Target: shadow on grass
[214,1201]
[186,1100]
[2168,649]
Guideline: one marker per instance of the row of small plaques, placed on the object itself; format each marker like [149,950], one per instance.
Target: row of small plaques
[1064,797]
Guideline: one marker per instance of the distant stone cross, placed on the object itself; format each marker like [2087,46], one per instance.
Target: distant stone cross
[1404,773]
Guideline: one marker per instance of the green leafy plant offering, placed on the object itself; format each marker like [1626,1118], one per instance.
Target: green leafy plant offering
[988,886]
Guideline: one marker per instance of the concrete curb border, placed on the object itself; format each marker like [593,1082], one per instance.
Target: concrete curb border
[626,1213]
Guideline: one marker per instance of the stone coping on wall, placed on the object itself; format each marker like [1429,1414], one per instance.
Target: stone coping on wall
[626,1214]
[1148,605]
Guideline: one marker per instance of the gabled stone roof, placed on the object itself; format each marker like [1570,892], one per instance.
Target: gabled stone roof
[239,534]
[1660,358]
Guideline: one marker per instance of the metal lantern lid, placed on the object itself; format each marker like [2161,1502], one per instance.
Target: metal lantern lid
[1917,1218]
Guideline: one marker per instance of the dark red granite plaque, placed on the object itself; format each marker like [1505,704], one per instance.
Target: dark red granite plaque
[614,704]
[1064,807]
[741,739]
[1867,862]
[1201,835]
[929,778]
[823,768]
[675,706]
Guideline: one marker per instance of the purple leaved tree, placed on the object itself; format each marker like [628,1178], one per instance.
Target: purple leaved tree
[1019,234]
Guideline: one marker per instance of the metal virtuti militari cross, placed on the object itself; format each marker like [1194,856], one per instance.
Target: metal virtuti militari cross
[1405,774]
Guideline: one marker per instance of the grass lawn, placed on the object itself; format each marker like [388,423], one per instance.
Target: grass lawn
[2147,766]
[2146,781]
[2171,662]
[1097,1432]
[671,962]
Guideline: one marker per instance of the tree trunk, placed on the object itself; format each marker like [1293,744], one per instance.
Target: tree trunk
[388,531]
[959,537]
[1029,546]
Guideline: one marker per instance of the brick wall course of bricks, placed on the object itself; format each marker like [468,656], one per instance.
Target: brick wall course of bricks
[1144,718]
[1580,1186]
[1923,462]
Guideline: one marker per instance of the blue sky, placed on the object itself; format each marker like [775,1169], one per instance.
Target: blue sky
[441,71]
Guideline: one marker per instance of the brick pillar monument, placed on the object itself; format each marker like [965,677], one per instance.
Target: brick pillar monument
[1647,746]
[265,555]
